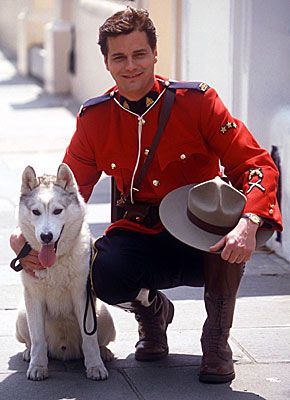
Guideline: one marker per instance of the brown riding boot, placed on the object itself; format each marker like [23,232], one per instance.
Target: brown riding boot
[222,281]
[153,321]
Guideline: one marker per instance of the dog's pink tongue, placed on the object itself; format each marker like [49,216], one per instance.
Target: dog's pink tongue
[47,256]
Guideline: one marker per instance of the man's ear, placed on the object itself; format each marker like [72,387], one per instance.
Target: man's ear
[155,55]
[106,62]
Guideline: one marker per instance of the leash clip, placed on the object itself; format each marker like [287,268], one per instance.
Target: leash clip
[23,253]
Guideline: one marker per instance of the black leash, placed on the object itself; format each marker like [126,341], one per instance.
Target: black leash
[90,299]
[23,253]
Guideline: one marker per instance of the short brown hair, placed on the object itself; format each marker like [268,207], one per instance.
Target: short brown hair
[125,22]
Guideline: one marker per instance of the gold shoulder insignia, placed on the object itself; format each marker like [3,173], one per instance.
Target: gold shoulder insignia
[203,86]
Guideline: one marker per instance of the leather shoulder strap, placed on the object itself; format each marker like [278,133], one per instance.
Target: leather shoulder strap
[163,118]
[94,101]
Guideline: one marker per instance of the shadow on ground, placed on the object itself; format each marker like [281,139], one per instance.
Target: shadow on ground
[152,381]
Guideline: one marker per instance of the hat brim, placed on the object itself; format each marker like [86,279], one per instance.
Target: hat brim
[173,215]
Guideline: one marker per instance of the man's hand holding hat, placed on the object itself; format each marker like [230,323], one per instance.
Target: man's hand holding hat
[238,245]
[208,216]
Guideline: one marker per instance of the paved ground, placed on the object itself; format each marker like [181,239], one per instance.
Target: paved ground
[35,129]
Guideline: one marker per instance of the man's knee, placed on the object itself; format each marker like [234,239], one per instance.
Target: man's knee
[111,282]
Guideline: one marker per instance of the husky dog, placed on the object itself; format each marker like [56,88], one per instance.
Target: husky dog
[52,219]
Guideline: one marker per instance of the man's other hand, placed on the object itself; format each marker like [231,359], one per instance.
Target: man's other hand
[239,244]
[30,263]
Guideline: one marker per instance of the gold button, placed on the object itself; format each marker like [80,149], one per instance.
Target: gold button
[272,205]
[167,83]
[146,152]
[112,93]
[113,165]
[271,211]
[156,182]
[182,156]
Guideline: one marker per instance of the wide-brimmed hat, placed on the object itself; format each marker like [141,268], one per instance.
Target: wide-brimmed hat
[200,215]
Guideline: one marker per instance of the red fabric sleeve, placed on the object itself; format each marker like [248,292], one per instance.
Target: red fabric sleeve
[80,158]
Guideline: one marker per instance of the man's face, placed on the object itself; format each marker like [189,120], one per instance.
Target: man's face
[130,61]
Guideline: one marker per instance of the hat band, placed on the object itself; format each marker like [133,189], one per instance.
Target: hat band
[217,230]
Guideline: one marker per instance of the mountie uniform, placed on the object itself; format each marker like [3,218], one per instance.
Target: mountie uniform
[200,135]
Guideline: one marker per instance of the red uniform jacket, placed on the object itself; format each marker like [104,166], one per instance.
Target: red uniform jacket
[200,134]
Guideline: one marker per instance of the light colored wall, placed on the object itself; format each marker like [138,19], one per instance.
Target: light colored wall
[269,65]
[8,18]
[207,45]
[39,11]
[280,137]
[164,15]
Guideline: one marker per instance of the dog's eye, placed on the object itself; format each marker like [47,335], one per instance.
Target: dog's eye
[57,211]
[36,212]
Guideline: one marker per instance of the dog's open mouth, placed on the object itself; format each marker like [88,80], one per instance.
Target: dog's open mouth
[47,256]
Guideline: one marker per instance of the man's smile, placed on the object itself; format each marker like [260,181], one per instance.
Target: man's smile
[133,76]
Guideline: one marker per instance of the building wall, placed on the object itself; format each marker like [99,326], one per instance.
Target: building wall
[8,17]
[165,15]
[40,11]
[269,65]
[207,45]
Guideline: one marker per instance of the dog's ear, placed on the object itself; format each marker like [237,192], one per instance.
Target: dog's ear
[65,178]
[29,180]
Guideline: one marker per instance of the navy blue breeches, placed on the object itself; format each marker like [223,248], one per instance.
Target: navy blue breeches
[129,261]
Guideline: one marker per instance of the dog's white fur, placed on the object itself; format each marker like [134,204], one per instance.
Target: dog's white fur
[51,323]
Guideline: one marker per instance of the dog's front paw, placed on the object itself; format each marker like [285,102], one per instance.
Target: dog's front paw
[37,373]
[97,373]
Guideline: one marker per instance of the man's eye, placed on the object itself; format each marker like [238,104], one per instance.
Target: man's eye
[36,212]
[140,55]
[57,211]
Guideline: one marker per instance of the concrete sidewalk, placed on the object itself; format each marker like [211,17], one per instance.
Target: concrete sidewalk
[35,128]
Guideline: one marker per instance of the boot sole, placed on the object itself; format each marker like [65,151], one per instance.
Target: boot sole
[151,357]
[204,378]
[158,356]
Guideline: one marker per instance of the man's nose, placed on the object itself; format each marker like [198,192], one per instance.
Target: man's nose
[130,64]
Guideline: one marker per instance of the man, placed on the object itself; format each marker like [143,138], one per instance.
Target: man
[137,256]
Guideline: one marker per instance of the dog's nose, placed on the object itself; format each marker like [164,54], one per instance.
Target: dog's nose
[46,237]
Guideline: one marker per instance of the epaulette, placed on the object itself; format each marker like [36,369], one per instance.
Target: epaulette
[200,86]
[94,101]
